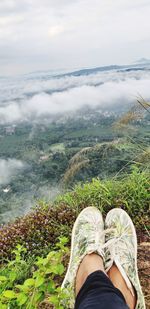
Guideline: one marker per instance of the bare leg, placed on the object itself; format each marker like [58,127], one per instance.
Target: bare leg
[94,262]
[91,262]
[118,281]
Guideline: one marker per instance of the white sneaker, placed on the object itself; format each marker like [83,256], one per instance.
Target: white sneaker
[121,249]
[87,237]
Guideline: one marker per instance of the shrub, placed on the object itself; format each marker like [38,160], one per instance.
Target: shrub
[39,290]
[39,230]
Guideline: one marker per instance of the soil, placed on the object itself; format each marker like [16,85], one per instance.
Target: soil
[144,264]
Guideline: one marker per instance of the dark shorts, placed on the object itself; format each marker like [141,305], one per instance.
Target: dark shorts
[98,292]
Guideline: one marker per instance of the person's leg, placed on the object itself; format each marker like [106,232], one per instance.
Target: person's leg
[86,282]
[118,281]
[91,263]
[86,285]
[94,290]
[94,262]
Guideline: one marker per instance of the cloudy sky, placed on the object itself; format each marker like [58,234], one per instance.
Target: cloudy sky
[68,34]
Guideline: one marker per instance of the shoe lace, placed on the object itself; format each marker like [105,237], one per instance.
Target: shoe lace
[93,243]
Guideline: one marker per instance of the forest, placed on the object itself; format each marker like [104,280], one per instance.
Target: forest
[55,155]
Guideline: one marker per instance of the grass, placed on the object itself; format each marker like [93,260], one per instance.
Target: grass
[131,193]
[38,230]
[32,259]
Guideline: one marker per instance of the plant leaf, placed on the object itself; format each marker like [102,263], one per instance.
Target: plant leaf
[3,278]
[29,282]
[22,298]
[39,281]
[9,294]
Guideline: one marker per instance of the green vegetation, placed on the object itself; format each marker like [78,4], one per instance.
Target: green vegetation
[95,166]
[48,150]
[39,229]
[45,149]
[33,261]
[42,285]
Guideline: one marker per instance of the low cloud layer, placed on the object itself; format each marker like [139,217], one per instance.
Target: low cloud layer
[8,169]
[70,93]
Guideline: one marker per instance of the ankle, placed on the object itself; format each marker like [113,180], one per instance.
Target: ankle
[91,263]
[118,281]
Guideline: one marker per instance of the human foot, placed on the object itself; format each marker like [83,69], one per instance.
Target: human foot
[121,256]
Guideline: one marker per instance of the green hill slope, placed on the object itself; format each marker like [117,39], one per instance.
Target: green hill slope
[30,275]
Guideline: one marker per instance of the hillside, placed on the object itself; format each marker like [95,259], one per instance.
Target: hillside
[29,277]
[35,159]
[77,140]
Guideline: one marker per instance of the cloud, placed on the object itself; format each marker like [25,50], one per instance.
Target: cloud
[48,193]
[8,169]
[55,30]
[66,33]
[70,93]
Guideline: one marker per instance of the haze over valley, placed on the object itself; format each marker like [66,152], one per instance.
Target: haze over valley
[48,117]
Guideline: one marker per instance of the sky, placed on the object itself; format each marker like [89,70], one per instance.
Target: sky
[40,35]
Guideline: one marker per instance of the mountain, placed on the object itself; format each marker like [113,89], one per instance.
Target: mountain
[142,61]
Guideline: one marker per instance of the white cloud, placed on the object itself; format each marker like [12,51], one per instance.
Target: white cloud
[8,169]
[55,30]
[70,93]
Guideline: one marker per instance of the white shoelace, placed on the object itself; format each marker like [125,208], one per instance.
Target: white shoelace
[110,245]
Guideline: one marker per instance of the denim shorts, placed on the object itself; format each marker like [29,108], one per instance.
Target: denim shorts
[98,292]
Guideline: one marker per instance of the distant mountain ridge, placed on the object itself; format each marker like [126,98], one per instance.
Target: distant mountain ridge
[143,61]
[136,66]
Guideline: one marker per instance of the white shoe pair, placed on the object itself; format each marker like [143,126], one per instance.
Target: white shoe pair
[116,244]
